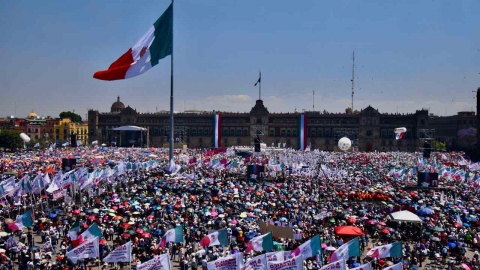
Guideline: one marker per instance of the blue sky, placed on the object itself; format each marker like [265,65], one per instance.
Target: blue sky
[409,55]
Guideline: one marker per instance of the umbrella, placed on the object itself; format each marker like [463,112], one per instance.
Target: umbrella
[452,245]
[243,215]
[139,230]
[426,211]
[324,245]
[213,214]
[330,248]
[146,235]
[2,234]
[117,218]
[466,267]
[126,235]
[436,239]
[437,229]
[91,217]
[125,225]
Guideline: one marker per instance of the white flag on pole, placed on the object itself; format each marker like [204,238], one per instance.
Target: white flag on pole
[88,249]
[120,254]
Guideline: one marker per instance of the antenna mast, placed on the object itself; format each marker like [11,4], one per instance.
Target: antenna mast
[353,76]
[314,100]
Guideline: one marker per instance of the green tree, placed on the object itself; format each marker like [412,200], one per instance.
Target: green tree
[325,111]
[439,145]
[10,139]
[348,110]
[43,142]
[72,115]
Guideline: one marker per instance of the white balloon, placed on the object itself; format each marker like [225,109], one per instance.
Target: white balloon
[344,143]
[24,137]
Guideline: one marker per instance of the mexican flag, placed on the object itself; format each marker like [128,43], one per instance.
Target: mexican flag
[216,238]
[22,221]
[173,235]
[389,250]
[347,250]
[73,232]
[260,243]
[92,232]
[155,45]
[308,249]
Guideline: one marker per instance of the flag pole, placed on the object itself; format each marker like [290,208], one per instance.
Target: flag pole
[171,97]
[260,86]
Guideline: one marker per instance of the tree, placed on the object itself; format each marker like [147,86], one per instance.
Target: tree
[441,146]
[72,115]
[43,142]
[348,110]
[10,139]
[356,112]
[325,111]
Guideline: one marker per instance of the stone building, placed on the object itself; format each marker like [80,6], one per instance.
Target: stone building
[370,129]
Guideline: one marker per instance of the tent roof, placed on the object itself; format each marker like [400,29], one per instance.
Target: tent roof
[129,128]
[405,215]
[348,230]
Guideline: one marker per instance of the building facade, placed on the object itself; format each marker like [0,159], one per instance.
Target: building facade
[370,130]
[65,128]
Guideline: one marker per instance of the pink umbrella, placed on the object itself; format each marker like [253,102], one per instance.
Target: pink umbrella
[466,267]
[234,222]
[382,223]
[251,215]
[76,212]
[213,214]
[324,246]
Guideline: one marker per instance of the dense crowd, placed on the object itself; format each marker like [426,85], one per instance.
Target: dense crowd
[138,194]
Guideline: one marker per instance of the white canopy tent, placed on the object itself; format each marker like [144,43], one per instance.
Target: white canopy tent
[129,128]
[405,216]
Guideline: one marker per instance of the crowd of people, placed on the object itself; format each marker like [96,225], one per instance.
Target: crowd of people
[137,195]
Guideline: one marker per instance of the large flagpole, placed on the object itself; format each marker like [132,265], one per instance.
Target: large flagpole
[171,96]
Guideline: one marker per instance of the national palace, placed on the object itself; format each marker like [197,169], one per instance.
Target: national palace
[369,129]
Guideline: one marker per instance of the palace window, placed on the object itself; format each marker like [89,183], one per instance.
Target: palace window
[282,132]
[320,132]
[294,132]
[232,132]
[239,132]
[289,133]
[369,133]
[225,132]
[313,132]
[194,132]
[245,132]
[271,132]
[200,131]
[327,132]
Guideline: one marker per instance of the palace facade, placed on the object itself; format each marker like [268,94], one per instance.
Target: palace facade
[369,129]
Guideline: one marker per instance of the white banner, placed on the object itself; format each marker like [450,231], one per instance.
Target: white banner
[120,254]
[338,265]
[362,267]
[67,199]
[88,249]
[161,262]
[57,194]
[231,262]
[278,256]
[290,264]
[256,263]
